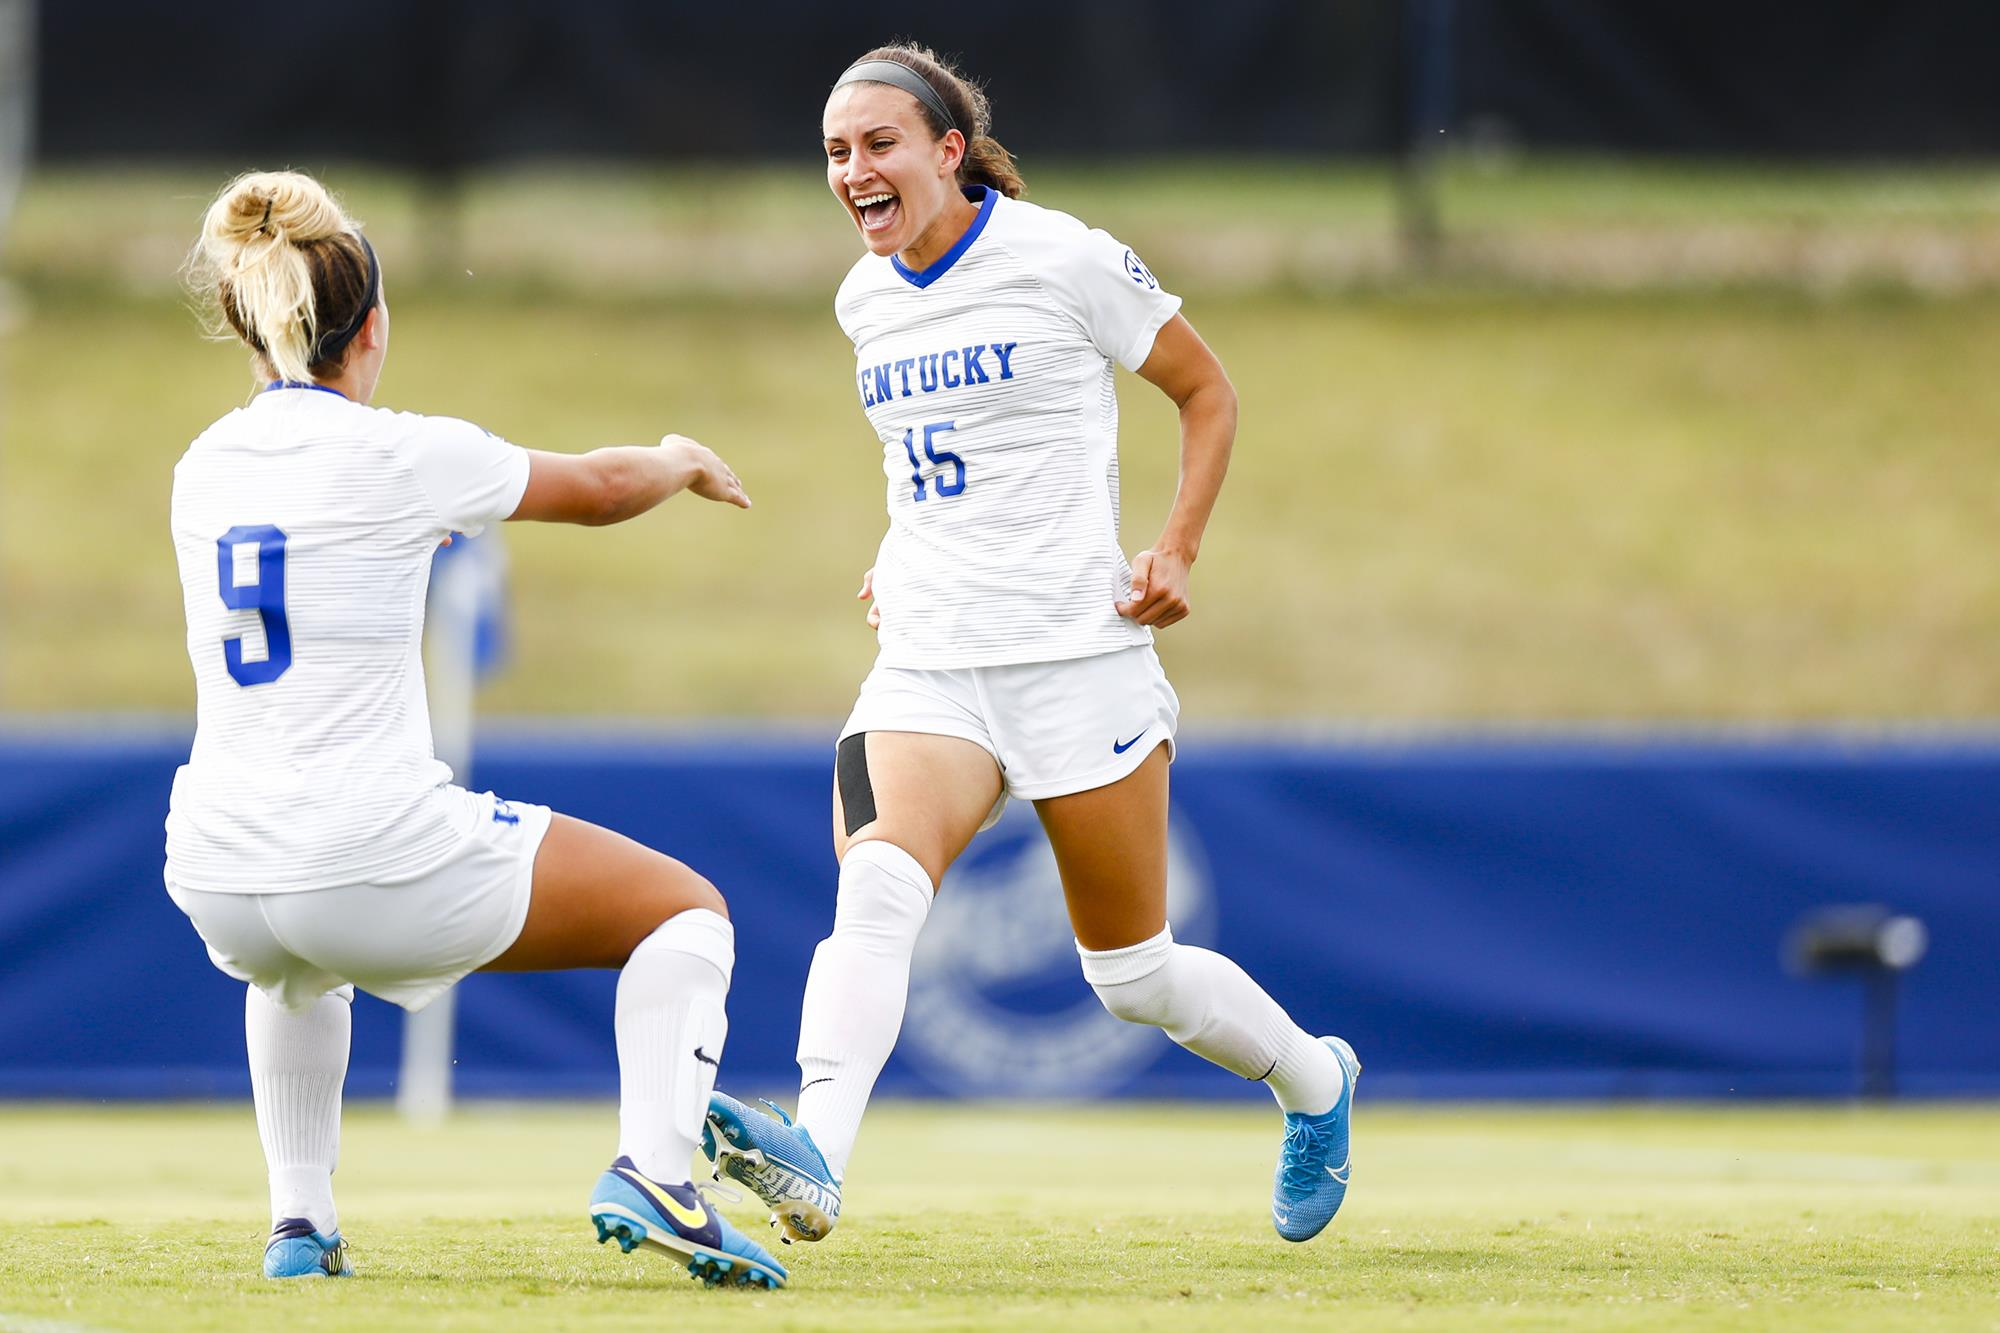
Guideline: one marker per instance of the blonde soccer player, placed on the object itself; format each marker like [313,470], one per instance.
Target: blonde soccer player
[1015,642]
[313,839]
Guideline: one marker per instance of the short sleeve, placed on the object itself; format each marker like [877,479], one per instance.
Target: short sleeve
[1110,290]
[473,477]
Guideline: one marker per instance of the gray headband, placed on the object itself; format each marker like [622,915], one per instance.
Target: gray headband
[898,75]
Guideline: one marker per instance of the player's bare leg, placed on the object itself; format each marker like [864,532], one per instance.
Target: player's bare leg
[603,900]
[598,894]
[904,806]
[1111,849]
[930,794]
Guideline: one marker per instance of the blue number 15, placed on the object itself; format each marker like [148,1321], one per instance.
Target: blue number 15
[266,597]
[941,457]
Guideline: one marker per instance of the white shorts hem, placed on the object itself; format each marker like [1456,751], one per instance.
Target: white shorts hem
[1124,768]
[417,995]
[297,946]
[857,725]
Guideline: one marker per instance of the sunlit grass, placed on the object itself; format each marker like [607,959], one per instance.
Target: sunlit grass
[1090,1217]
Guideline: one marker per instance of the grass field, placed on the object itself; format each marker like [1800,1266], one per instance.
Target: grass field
[1088,1218]
[1452,501]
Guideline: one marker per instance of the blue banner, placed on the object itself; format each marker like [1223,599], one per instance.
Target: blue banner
[1480,918]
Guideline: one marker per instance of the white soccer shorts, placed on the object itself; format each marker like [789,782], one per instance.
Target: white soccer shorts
[406,942]
[1053,727]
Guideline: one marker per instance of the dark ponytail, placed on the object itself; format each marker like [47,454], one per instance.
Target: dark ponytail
[985,161]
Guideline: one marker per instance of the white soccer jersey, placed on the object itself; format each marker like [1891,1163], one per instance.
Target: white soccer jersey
[305,526]
[988,379]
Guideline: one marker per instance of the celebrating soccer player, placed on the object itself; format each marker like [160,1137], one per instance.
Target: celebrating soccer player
[1016,653]
[313,839]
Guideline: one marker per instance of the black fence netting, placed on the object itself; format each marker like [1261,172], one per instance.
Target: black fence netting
[465,82]
[450,81]
[1714,78]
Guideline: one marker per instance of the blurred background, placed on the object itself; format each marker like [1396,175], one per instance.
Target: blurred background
[1604,590]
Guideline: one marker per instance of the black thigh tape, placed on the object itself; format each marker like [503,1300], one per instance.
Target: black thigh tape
[857,794]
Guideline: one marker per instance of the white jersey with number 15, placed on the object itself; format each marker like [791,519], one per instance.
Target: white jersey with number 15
[988,380]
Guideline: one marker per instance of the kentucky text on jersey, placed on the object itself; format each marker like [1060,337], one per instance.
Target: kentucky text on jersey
[988,383]
[936,370]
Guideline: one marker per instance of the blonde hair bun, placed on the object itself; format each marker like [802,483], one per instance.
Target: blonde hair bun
[272,206]
[267,241]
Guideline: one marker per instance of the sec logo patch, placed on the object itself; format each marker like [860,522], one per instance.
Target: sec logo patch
[1139,273]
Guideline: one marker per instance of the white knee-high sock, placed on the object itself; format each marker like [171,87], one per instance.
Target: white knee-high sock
[670,1024]
[856,990]
[298,1062]
[1211,1006]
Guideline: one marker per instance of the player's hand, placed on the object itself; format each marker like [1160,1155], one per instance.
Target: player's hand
[1159,589]
[867,594]
[705,472]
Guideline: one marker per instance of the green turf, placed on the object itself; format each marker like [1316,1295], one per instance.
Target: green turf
[1093,1218]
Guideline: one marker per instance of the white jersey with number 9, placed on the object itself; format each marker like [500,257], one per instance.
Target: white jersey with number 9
[305,525]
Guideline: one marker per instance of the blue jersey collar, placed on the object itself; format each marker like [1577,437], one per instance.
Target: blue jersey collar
[302,384]
[987,197]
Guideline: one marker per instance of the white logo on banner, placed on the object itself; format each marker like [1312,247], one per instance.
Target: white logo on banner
[998,1004]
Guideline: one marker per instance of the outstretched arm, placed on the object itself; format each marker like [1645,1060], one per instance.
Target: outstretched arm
[1183,368]
[613,484]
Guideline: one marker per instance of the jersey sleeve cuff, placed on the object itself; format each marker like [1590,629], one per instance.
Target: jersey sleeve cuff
[1141,346]
[517,482]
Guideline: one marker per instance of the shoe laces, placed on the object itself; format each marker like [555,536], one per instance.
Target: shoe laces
[1305,1146]
[804,1136]
[713,1190]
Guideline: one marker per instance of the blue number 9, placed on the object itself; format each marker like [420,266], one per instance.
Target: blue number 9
[266,597]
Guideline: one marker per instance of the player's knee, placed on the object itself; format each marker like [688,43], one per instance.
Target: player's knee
[884,894]
[699,932]
[1144,1001]
[675,894]
[1134,983]
[685,890]
[706,897]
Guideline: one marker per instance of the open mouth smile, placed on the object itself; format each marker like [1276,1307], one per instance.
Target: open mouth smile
[878,211]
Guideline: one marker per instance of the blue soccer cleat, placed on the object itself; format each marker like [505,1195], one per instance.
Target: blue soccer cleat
[299,1249]
[675,1220]
[778,1161]
[1314,1166]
